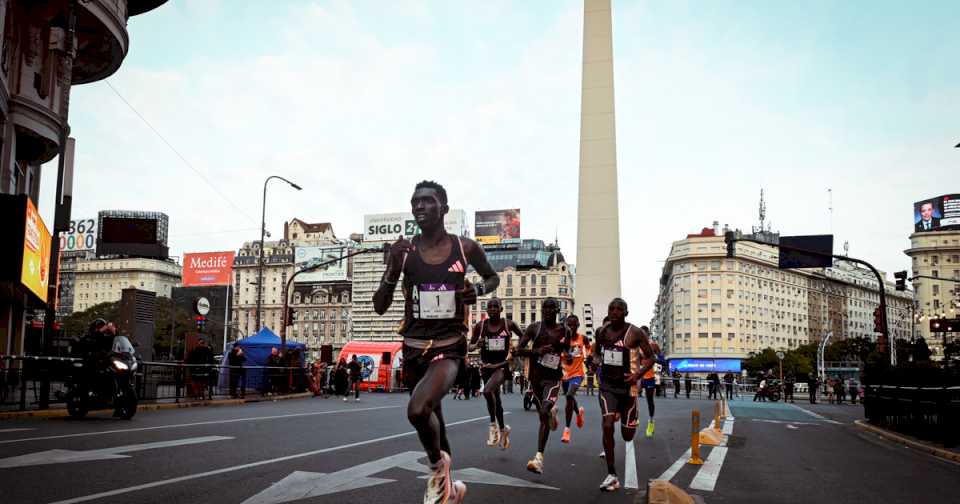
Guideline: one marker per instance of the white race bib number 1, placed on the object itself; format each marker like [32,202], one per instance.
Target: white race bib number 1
[550,361]
[613,357]
[437,301]
[497,344]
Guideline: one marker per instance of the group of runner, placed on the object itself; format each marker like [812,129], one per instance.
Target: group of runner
[433,266]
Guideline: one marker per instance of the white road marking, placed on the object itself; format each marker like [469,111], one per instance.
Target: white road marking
[224,470]
[630,467]
[817,415]
[14,430]
[194,424]
[706,478]
[727,426]
[766,420]
[792,427]
[675,468]
[68,456]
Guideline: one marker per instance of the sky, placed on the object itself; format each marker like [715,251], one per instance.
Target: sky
[356,101]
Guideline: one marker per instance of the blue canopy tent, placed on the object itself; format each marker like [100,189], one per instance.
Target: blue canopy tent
[257,349]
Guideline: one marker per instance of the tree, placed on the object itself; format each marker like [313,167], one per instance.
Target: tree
[76,324]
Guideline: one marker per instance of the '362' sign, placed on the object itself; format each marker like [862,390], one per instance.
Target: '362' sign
[82,235]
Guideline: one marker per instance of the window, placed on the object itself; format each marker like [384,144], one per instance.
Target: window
[715,307]
[702,335]
[936,290]
[543,279]
[702,307]
[702,293]
[509,280]
[509,290]
[716,335]
[523,280]
[543,291]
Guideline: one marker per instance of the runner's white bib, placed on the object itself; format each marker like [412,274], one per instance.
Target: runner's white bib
[550,361]
[613,357]
[496,344]
[436,301]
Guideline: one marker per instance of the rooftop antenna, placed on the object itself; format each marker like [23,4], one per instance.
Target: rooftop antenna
[763,210]
[846,248]
[830,208]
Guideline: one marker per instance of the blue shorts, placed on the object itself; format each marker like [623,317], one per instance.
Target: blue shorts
[648,383]
[576,381]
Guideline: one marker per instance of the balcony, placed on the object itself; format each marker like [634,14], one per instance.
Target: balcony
[102,39]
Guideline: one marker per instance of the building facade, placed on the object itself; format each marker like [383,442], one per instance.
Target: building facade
[711,306]
[529,274]
[321,315]
[103,280]
[66,290]
[40,61]
[278,261]
[935,254]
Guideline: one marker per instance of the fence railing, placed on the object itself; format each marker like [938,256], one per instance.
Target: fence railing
[42,382]
[931,413]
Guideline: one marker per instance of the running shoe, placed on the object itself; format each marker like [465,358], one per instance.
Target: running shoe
[535,464]
[566,435]
[356,399]
[610,483]
[344,398]
[650,428]
[493,438]
[505,437]
[553,419]
[603,454]
[440,488]
[580,417]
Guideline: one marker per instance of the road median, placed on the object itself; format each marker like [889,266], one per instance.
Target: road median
[913,443]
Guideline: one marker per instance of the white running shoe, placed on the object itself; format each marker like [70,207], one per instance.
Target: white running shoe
[610,483]
[440,488]
[505,437]
[493,438]
[535,464]
[344,398]
[356,399]
[603,454]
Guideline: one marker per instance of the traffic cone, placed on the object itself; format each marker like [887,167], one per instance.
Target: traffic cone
[664,492]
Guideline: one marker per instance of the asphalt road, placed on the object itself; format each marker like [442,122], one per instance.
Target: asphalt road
[324,450]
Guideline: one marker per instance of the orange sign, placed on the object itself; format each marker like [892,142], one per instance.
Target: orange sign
[35,269]
[207,268]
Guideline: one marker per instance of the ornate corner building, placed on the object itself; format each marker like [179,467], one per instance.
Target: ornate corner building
[47,47]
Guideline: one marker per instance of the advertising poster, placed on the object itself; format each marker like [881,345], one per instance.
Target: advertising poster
[330,273]
[81,237]
[207,268]
[705,365]
[497,226]
[35,274]
[389,226]
[937,214]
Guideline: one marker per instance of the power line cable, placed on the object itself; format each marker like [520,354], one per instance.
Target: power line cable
[175,151]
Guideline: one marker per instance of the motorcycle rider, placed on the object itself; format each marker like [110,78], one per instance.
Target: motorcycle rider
[94,347]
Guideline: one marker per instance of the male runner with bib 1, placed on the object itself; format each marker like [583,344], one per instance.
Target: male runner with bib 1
[573,374]
[434,325]
[619,366]
[493,335]
[550,341]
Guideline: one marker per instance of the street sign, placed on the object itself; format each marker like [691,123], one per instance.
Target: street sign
[304,485]
[809,251]
[780,355]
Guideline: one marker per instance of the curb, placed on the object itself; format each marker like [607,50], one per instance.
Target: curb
[924,447]
[62,412]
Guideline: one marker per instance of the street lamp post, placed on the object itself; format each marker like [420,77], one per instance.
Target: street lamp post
[263,230]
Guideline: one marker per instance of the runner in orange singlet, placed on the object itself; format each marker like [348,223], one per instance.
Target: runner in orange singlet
[574,372]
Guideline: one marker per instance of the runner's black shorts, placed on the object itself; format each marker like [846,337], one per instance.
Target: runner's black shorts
[416,361]
[487,373]
[545,390]
[622,404]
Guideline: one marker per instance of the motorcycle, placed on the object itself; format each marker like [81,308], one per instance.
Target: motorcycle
[111,384]
[773,391]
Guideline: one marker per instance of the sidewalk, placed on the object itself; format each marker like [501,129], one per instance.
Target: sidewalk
[62,412]
[952,454]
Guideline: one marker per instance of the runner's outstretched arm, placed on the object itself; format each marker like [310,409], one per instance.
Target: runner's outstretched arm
[383,297]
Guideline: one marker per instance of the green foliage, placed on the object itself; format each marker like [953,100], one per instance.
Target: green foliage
[75,325]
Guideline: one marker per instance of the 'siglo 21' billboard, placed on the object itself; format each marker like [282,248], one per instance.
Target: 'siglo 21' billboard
[497,226]
[937,214]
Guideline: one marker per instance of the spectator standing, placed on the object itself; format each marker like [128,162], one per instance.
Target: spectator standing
[676,383]
[788,388]
[687,385]
[238,374]
[200,358]
[274,371]
[728,382]
[355,374]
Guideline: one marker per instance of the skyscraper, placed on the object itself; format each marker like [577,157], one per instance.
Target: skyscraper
[598,222]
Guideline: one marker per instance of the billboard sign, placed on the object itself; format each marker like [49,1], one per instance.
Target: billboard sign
[807,251]
[389,226]
[705,365]
[207,268]
[937,214]
[337,271]
[81,237]
[497,226]
[35,267]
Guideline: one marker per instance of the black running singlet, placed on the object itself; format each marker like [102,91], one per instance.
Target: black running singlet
[616,360]
[431,308]
[494,345]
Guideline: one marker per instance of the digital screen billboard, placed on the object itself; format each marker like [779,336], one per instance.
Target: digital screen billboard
[129,230]
[132,234]
[705,365]
[497,226]
[937,214]
[81,237]
[35,268]
[330,273]
[207,268]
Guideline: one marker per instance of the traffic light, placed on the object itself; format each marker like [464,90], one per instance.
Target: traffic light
[728,237]
[882,344]
[201,322]
[878,320]
[289,316]
[901,277]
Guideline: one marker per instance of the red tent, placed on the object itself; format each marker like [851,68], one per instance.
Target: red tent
[380,361]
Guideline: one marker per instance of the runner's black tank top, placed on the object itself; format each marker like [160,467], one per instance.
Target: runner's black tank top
[431,310]
[547,366]
[616,361]
[494,345]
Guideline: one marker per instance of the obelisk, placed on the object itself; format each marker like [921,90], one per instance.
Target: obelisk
[598,222]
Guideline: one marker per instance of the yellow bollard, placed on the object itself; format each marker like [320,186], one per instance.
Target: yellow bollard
[716,417]
[695,439]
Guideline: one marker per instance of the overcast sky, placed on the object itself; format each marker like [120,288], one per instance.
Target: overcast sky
[358,100]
